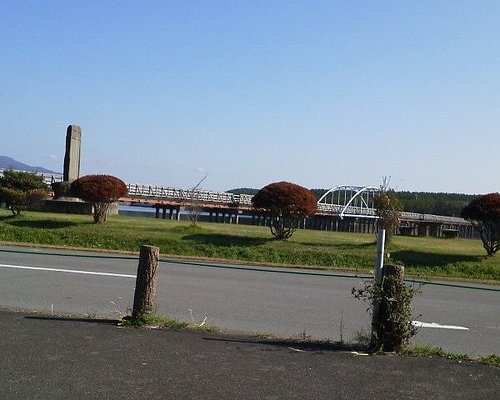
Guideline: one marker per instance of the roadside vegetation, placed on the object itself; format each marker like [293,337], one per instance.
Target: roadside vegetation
[153,321]
[418,350]
[421,256]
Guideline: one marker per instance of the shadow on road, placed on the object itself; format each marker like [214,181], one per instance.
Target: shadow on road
[73,319]
[296,345]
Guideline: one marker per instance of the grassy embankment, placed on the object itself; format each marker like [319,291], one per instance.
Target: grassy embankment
[430,257]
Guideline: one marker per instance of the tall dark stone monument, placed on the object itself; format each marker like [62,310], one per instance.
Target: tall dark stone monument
[63,201]
[71,169]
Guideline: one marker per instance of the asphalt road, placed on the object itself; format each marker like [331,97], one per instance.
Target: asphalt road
[286,303]
[57,358]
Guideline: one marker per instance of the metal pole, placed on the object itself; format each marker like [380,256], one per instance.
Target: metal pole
[379,260]
[379,275]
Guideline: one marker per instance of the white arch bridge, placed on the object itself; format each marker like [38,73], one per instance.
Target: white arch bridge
[349,201]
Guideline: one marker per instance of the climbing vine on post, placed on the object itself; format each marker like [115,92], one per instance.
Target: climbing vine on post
[392,328]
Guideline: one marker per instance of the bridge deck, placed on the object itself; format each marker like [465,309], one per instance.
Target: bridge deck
[162,197]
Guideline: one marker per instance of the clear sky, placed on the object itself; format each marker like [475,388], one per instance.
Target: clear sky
[317,93]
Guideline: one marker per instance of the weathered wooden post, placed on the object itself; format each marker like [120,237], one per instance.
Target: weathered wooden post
[145,287]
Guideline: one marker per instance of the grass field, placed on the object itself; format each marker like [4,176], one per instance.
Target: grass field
[425,257]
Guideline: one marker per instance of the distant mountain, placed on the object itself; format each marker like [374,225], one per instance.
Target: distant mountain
[10,163]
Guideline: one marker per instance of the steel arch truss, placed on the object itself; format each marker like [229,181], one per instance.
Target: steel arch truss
[350,201]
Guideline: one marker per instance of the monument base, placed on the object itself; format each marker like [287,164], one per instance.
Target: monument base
[113,209]
[69,205]
[66,206]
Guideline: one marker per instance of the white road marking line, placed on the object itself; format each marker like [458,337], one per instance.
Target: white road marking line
[70,271]
[435,325]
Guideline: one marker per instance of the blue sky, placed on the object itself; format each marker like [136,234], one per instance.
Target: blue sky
[318,93]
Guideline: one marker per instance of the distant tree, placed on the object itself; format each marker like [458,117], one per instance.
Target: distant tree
[484,212]
[449,204]
[100,191]
[250,191]
[287,204]
[388,210]
[195,202]
[319,192]
[21,190]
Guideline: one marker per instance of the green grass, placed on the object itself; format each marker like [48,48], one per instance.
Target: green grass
[458,258]
[424,257]
[153,320]
[161,321]
[419,350]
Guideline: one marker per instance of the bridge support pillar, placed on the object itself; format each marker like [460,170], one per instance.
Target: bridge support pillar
[424,229]
[234,216]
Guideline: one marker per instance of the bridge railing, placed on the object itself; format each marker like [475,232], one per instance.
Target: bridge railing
[348,211]
[435,218]
[188,194]
[370,213]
